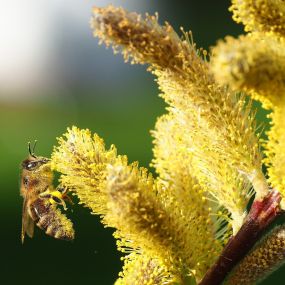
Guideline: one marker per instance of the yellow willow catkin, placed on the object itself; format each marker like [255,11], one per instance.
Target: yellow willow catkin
[140,269]
[189,87]
[266,257]
[211,132]
[274,151]
[260,15]
[141,39]
[176,164]
[142,214]
[82,159]
[254,63]
[145,213]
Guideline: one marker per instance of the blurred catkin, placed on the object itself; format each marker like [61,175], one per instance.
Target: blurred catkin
[259,71]
[260,15]
[267,256]
[218,121]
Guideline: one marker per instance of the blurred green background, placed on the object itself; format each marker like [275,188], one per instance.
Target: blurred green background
[54,75]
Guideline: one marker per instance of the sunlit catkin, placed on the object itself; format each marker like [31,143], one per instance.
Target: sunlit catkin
[267,256]
[259,71]
[140,212]
[260,15]
[174,228]
[224,125]
[178,164]
[146,213]
[82,159]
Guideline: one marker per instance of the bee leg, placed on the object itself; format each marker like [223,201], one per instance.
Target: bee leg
[68,199]
[64,192]
[55,197]
[57,200]
[45,195]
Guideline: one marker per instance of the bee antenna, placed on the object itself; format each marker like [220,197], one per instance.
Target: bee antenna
[32,151]
[35,143]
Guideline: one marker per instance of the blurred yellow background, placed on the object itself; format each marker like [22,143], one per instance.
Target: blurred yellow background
[53,75]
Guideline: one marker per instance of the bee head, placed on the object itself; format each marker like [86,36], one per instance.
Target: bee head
[33,162]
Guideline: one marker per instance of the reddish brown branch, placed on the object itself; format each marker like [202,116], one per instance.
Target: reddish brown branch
[262,213]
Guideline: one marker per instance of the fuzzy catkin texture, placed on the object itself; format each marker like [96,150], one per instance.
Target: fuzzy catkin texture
[177,165]
[157,226]
[139,38]
[274,151]
[259,71]
[221,143]
[82,159]
[225,128]
[219,113]
[184,79]
[260,15]
[266,257]
[147,214]
[140,269]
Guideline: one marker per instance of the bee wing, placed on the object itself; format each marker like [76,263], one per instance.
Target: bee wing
[27,221]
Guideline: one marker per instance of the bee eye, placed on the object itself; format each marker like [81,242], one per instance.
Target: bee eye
[31,165]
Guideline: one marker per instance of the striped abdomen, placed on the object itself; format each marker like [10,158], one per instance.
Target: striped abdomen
[51,220]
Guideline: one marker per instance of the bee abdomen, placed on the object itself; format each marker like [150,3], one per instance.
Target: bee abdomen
[59,231]
[51,220]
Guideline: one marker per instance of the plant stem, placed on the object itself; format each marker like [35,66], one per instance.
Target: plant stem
[263,212]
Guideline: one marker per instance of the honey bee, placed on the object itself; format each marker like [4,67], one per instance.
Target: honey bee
[41,200]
